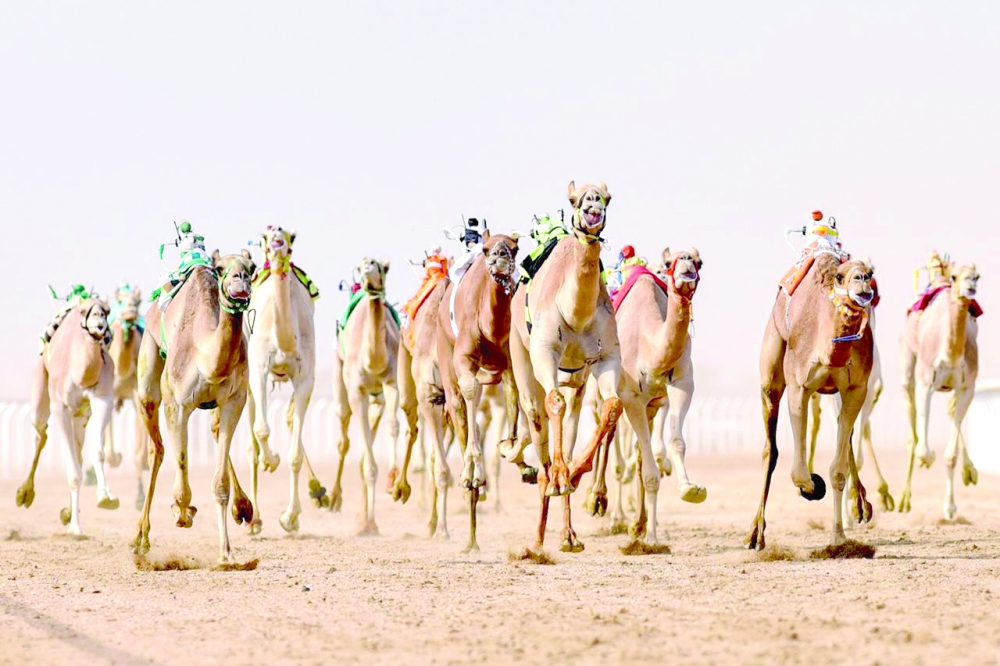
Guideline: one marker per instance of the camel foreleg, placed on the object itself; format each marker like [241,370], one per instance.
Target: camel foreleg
[958,406]
[289,520]
[679,395]
[228,417]
[342,411]
[40,408]
[101,417]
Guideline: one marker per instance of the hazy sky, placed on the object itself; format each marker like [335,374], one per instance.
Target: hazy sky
[369,126]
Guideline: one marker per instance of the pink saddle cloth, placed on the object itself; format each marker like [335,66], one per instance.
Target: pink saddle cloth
[926,298]
[633,276]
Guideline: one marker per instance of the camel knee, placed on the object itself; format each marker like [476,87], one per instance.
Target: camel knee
[297,459]
[469,387]
[555,403]
[261,431]
[678,446]
[343,447]
[221,489]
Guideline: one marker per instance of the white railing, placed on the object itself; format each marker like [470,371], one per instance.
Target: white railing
[984,426]
[714,426]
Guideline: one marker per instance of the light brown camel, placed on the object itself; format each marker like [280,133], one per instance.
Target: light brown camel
[126,338]
[473,350]
[817,340]
[940,352]
[282,348]
[196,358]
[364,380]
[493,415]
[864,428]
[653,329]
[423,401]
[564,329]
[74,379]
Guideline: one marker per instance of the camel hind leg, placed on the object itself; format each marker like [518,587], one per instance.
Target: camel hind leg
[141,453]
[149,373]
[226,418]
[40,408]
[772,357]
[815,420]
[679,394]
[843,466]
[957,408]
[864,421]
[407,398]
[101,418]
[908,364]
[342,411]
[289,520]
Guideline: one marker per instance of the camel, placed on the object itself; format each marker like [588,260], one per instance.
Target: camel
[563,329]
[472,344]
[653,321]
[493,414]
[127,329]
[864,419]
[818,340]
[74,379]
[423,400]
[940,352]
[197,360]
[364,379]
[282,348]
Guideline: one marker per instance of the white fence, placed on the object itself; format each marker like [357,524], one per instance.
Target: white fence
[984,427]
[713,426]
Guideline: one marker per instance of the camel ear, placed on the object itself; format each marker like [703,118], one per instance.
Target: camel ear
[601,184]
[137,293]
[216,258]
[291,235]
[573,199]
[486,235]
[385,266]
[248,259]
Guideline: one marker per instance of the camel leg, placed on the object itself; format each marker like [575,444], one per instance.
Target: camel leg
[470,392]
[40,408]
[359,402]
[772,388]
[432,411]
[924,454]
[843,464]
[141,453]
[679,394]
[289,520]
[101,417]
[149,374]
[107,441]
[815,412]
[811,486]
[864,420]
[177,417]
[908,362]
[649,474]
[970,476]
[253,450]
[342,410]
[512,448]
[407,397]
[959,406]
[659,439]
[497,414]
[618,523]
[74,469]
[228,416]
[597,498]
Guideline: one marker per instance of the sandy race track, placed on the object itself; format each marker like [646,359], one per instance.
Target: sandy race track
[931,595]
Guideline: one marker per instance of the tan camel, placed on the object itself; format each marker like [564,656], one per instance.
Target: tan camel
[127,331]
[818,340]
[423,401]
[493,417]
[196,358]
[940,352]
[472,342]
[364,379]
[282,348]
[564,329]
[864,428]
[653,325]
[74,379]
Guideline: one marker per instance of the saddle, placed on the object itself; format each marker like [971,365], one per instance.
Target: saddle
[925,299]
[634,274]
[265,271]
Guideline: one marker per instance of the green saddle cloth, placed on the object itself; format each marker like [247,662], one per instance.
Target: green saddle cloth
[356,298]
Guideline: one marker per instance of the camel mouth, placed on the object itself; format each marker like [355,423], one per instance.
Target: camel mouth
[863,298]
[277,244]
[238,293]
[686,276]
[592,219]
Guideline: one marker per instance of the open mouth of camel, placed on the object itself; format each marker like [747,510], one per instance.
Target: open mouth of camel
[592,219]
[863,298]
[969,293]
[686,276]
[277,244]
[238,293]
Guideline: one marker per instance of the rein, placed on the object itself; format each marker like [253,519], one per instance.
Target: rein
[851,310]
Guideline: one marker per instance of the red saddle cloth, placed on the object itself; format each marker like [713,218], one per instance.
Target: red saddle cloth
[633,275]
[926,298]
[793,278]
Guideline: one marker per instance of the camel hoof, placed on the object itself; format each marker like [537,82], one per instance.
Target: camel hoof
[90,477]
[559,482]
[950,511]
[596,504]
[318,494]
[571,545]
[109,502]
[694,494]
[970,476]
[65,515]
[473,547]
[819,489]
[756,540]
[113,459]
[666,468]
[289,522]
[885,498]
[619,526]
[254,526]
[271,465]
[439,535]
[481,496]
[393,475]
[927,459]
[401,491]
[242,510]
[529,475]
[25,495]
[368,529]
[904,502]
[140,545]
[185,516]
[336,500]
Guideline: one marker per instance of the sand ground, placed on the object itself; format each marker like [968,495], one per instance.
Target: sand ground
[931,595]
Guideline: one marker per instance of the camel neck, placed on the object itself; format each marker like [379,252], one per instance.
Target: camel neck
[956,322]
[578,297]
[123,350]
[672,338]
[223,352]
[494,312]
[88,360]
[375,348]
[847,324]
[284,323]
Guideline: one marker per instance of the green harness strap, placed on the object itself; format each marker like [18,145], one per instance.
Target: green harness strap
[356,298]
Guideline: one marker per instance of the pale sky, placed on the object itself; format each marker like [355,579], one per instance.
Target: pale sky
[370,126]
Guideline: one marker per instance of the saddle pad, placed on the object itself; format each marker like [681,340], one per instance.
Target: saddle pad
[633,276]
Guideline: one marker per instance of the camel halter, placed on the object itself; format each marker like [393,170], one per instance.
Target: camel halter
[103,337]
[505,280]
[227,302]
[851,309]
[582,236]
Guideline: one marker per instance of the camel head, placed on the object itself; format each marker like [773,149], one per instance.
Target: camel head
[276,244]
[129,301]
[590,208]
[94,317]
[371,276]
[684,271]
[854,280]
[964,282]
[501,251]
[235,274]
